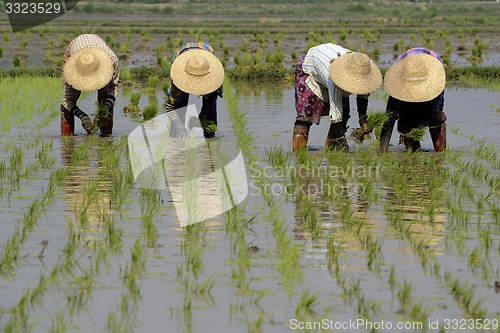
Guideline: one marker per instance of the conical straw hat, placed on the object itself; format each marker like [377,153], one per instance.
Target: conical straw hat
[416,78]
[355,73]
[88,69]
[197,72]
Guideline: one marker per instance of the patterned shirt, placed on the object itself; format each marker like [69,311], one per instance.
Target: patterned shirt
[70,94]
[194,45]
[438,102]
[316,64]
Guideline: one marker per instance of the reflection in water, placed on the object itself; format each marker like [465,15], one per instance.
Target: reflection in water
[87,189]
[414,188]
[329,198]
[204,180]
[258,92]
[333,200]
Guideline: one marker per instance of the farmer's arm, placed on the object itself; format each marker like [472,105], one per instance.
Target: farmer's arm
[107,95]
[362,105]
[387,128]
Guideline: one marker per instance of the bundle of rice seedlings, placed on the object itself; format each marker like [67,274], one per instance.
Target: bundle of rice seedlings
[209,126]
[150,111]
[373,120]
[416,133]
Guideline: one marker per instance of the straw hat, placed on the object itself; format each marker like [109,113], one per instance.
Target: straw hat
[197,72]
[355,73]
[416,78]
[88,69]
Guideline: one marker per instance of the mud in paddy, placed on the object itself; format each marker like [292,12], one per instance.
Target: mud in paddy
[397,237]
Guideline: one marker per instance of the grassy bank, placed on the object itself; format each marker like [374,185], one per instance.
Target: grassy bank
[486,76]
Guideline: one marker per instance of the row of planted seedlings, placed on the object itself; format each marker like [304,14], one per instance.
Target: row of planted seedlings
[284,252]
[95,230]
[93,226]
[473,207]
[25,160]
[427,211]
[352,293]
[428,202]
[334,183]
[330,208]
[27,167]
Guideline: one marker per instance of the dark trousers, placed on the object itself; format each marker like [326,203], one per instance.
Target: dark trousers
[177,99]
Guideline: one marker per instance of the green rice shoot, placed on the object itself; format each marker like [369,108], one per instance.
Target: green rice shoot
[376,119]
[416,134]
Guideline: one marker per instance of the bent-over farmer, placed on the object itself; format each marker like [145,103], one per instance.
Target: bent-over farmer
[415,83]
[195,70]
[88,65]
[324,78]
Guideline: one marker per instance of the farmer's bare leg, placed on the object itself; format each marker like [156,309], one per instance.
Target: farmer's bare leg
[438,131]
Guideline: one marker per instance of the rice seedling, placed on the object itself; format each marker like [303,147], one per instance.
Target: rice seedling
[306,304]
[153,81]
[405,295]
[150,111]
[133,106]
[23,44]
[16,61]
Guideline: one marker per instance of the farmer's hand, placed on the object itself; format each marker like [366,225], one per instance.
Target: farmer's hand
[360,133]
[367,129]
[87,124]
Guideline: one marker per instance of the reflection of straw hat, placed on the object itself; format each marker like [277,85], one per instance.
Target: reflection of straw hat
[355,73]
[416,78]
[88,69]
[197,72]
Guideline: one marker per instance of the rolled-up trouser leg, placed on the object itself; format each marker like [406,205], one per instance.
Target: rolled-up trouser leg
[437,129]
[67,122]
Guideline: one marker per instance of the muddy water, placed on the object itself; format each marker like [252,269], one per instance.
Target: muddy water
[167,301]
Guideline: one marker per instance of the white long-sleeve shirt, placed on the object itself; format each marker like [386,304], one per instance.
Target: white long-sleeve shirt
[316,64]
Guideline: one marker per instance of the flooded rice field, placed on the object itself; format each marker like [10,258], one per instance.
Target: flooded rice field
[332,241]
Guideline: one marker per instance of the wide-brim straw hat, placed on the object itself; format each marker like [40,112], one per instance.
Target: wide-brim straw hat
[197,72]
[416,78]
[88,69]
[355,73]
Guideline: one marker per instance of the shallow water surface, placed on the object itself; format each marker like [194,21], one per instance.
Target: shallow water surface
[400,238]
